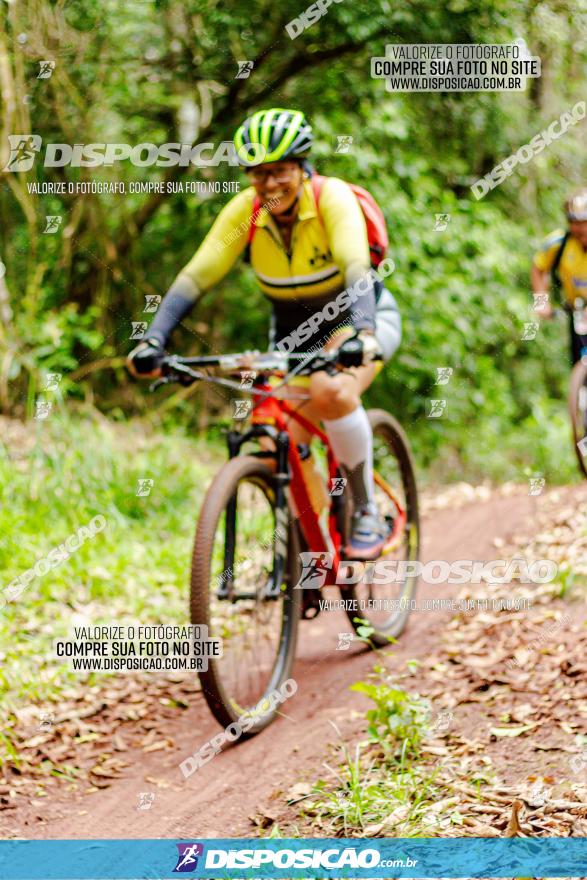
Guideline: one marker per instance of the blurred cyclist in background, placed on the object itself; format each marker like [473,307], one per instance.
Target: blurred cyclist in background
[561,265]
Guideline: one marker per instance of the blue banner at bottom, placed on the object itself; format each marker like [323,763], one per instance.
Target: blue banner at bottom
[299,858]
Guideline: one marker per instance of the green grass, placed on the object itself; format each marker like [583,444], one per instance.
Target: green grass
[55,476]
[381,784]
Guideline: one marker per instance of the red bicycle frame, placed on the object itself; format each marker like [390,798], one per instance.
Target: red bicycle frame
[278,412]
[270,410]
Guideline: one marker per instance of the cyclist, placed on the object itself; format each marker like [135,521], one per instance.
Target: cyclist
[302,259]
[562,260]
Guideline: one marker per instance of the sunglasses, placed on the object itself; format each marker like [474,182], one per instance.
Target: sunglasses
[279,175]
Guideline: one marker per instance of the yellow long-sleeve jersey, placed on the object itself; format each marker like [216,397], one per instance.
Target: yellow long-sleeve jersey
[572,268]
[323,245]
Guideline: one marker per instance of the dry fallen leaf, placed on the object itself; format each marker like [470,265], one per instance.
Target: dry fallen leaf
[514,828]
[512,731]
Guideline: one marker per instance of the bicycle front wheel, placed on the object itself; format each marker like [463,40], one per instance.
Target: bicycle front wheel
[578,412]
[386,594]
[232,564]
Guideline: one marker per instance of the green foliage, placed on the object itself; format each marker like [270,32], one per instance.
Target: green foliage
[380,788]
[168,75]
[136,570]
[398,722]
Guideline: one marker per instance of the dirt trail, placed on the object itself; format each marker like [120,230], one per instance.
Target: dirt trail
[218,800]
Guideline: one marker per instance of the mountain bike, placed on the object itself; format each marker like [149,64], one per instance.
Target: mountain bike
[258,525]
[578,387]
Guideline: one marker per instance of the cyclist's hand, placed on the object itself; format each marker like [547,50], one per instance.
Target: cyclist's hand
[359,350]
[144,361]
[247,360]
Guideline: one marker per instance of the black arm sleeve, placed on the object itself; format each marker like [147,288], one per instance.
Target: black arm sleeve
[362,311]
[177,303]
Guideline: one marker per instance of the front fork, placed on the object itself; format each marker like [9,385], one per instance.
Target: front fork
[280,535]
[272,589]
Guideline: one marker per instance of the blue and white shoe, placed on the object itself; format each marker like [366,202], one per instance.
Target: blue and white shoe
[369,532]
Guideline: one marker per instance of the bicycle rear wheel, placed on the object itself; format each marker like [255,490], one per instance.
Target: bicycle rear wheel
[234,549]
[385,604]
[578,412]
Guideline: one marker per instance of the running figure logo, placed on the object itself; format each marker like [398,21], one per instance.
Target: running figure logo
[139,328]
[187,860]
[22,151]
[337,485]
[437,408]
[530,331]
[244,69]
[53,222]
[315,567]
[46,69]
[152,301]
[441,223]
[345,142]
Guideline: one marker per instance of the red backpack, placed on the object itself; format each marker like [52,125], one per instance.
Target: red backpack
[374,219]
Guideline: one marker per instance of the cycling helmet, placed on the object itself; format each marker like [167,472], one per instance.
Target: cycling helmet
[271,135]
[576,205]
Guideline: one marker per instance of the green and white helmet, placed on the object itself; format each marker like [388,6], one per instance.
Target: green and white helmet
[271,135]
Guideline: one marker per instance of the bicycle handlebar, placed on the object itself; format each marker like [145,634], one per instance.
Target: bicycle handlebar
[179,369]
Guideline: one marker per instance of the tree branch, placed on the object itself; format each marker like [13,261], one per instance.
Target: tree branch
[226,114]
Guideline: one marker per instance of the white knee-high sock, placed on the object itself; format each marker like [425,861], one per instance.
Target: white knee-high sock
[351,438]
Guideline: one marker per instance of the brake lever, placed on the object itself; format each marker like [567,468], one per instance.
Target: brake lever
[162,380]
